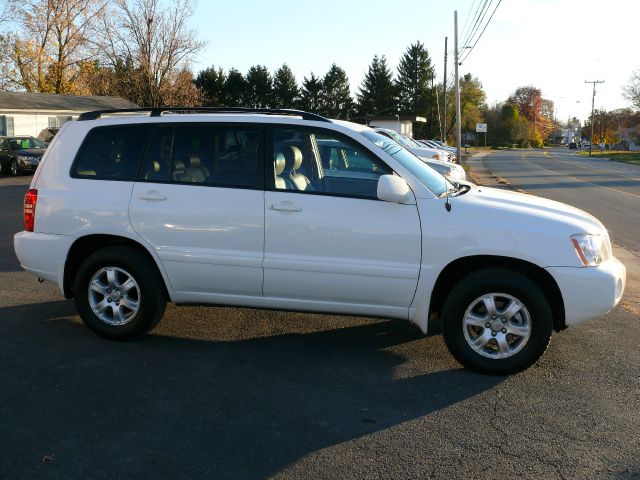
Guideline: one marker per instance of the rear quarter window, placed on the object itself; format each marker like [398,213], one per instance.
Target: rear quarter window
[111,153]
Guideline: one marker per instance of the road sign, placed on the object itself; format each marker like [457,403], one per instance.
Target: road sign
[481,127]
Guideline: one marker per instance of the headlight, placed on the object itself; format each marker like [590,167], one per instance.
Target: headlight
[23,160]
[592,250]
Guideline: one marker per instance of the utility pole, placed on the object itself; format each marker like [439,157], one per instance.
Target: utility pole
[443,134]
[593,100]
[457,87]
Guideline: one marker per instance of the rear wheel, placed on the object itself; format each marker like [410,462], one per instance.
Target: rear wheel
[118,293]
[497,321]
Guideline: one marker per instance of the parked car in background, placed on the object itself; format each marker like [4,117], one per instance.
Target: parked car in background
[431,156]
[573,146]
[289,210]
[415,148]
[20,154]
[439,144]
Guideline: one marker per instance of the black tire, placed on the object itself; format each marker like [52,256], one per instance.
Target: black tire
[505,281]
[14,169]
[152,297]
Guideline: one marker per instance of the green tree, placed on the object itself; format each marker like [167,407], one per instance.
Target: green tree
[377,95]
[259,87]
[210,82]
[336,101]
[472,102]
[285,88]
[310,94]
[415,95]
[234,91]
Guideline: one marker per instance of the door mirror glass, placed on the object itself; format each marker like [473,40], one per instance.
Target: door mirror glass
[392,188]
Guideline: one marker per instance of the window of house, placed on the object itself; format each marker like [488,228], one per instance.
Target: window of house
[6,125]
[58,121]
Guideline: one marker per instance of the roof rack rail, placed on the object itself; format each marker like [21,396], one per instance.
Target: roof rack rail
[157,111]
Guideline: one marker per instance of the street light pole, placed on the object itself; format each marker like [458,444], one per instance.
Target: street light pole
[593,100]
[457,87]
[443,134]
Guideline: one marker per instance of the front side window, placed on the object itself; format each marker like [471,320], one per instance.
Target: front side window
[205,154]
[111,153]
[324,162]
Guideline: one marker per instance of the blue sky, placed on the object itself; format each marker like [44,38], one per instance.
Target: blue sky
[554,45]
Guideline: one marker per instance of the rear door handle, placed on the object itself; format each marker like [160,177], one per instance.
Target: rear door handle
[285,207]
[152,195]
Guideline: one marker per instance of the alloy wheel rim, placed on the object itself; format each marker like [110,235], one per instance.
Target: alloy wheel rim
[14,168]
[114,296]
[497,325]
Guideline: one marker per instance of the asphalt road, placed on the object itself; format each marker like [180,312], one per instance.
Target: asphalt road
[231,393]
[608,190]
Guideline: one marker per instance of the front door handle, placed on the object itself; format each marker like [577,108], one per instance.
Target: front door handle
[285,207]
[152,195]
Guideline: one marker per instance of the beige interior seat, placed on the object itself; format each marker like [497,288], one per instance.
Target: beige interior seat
[281,181]
[293,156]
[196,171]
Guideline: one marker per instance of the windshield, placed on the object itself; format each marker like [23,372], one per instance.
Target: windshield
[427,175]
[22,143]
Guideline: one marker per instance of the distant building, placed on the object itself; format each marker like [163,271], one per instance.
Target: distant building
[30,113]
[403,124]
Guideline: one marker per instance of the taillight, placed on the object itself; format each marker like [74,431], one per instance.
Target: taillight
[30,200]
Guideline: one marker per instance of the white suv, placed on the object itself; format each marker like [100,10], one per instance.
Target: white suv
[289,210]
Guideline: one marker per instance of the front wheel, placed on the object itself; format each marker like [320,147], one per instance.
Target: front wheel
[15,171]
[118,293]
[497,321]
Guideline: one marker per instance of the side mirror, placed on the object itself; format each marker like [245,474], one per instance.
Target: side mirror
[392,188]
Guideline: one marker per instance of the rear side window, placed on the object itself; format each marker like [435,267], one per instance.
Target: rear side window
[205,154]
[111,153]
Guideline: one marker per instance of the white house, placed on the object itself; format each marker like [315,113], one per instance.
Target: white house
[30,113]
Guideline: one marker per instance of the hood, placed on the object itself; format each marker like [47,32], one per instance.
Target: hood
[536,210]
[31,152]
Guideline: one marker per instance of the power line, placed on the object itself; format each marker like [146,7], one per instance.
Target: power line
[464,28]
[480,36]
[483,12]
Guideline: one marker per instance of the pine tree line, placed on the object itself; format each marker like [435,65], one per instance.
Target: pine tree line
[409,92]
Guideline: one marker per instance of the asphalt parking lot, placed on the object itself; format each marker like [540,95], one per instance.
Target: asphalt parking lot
[241,393]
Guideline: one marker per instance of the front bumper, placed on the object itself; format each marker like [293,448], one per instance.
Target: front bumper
[43,254]
[28,165]
[589,292]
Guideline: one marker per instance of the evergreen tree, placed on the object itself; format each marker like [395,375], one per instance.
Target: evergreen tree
[310,94]
[415,95]
[336,101]
[234,91]
[285,88]
[377,95]
[259,87]
[211,82]
[415,73]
